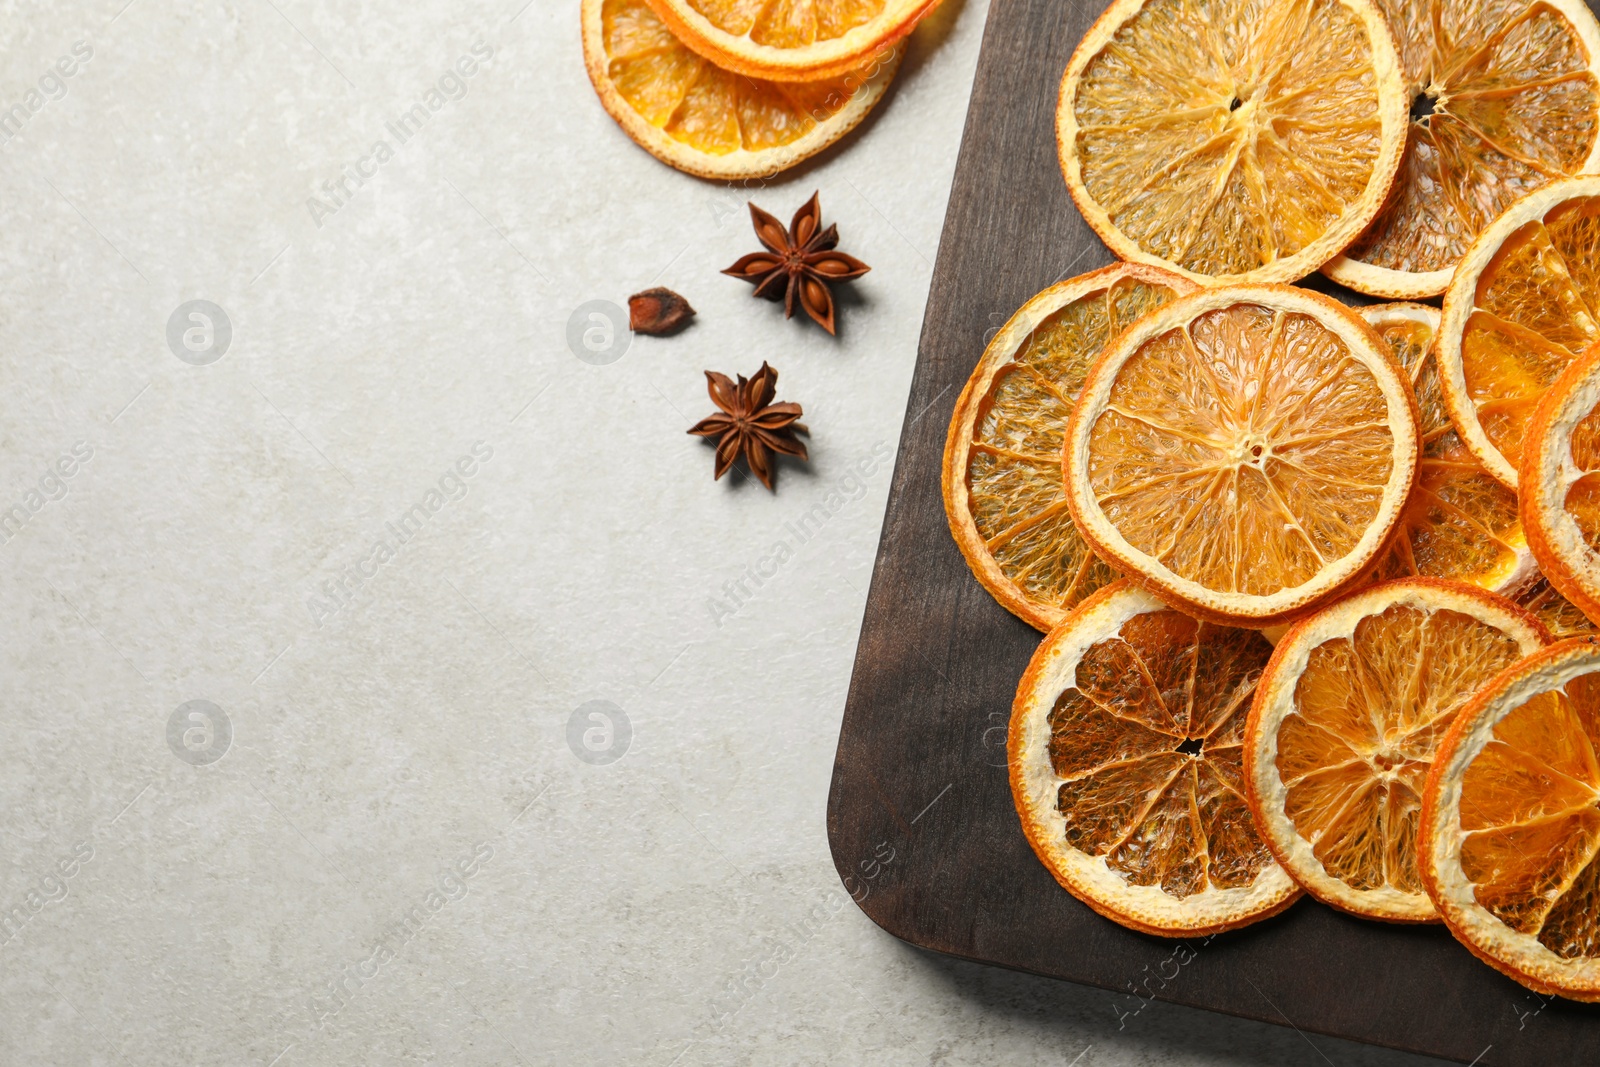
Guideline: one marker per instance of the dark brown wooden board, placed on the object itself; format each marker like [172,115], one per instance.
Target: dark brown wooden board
[920,816]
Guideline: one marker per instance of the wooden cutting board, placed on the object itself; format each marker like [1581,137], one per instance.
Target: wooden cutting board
[920,815]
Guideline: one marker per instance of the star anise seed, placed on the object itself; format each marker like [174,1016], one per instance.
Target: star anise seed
[800,263]
[658,312]
[750,425]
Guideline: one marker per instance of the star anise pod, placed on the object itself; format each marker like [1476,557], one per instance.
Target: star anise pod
[799,263]
[750,424]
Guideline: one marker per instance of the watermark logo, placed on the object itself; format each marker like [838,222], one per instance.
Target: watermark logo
[740,590]
[859,882]
[1180,957]
[996,736]
[52,486]
[199,733]
[598,732]
[199,332]
[450,86]
[778,951]
[342,590]
[449,885]
[52,86]
[49,889]
[1524,1013]
[597,332]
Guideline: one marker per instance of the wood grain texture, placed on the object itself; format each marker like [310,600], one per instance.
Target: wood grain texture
[920,774]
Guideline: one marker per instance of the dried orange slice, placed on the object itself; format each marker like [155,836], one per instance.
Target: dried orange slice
[1232,139]
[1244,452]
[1345,723]
[1459,522]
[1554,611]
[1505,98]
[1002,460]
[1510,828]
[1520,307]
[1560,483]
[791,40]
[1124,752]
[704,120]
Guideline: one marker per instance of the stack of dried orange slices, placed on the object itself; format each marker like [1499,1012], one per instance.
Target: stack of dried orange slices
[731,90]
[1305,571]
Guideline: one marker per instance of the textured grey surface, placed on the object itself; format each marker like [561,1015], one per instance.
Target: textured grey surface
[395,835]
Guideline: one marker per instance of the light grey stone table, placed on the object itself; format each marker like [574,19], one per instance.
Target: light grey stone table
[311,586]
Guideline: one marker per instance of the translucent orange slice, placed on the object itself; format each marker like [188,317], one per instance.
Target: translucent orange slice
[1521,306]
[1459,522]
[1233,140]
[1510,826]
[1560,483]
[1505,98]
[1345,724]
[707,121]
[1557,614]
[1126,769]
[1243,451]
[1002,460]
[792,40]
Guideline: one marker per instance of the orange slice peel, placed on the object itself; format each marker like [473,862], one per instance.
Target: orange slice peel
[1124,756]
[1505,98]
[1521,306]
[1345,723]
[1244,452]
[708,121]
[1459,522]
[1002,461]
[1510,825]
[1232,142]
[792,40]
[1560,483]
